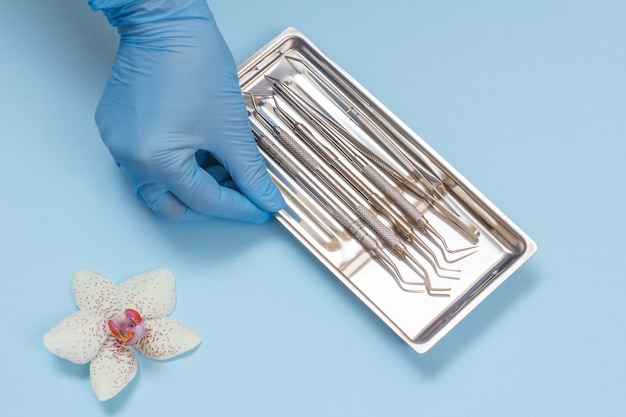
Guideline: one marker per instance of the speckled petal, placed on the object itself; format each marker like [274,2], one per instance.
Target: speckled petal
[78,337]
[166,338]
[95,293]
[112,369]
[152,293]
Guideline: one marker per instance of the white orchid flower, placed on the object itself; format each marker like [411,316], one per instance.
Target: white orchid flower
[113,319]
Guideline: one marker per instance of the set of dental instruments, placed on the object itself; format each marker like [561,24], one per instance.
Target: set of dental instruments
[390,218]
[375,203]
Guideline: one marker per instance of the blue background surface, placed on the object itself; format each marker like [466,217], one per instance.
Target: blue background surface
[527,99]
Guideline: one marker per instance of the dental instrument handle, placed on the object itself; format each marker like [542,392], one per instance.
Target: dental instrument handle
[395,196]
[325,124]
[353,226]
[379,228]
[356,228]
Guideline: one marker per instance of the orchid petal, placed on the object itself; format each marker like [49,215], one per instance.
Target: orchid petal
[166,338]
[95,293]
[112,369]
[78,337]
[152,293]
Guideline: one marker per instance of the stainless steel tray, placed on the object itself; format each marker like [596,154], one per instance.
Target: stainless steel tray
[420,319]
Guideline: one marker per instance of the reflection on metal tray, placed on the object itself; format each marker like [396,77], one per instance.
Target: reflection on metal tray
[418,244]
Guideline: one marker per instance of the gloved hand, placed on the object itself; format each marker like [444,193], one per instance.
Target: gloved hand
[173,96]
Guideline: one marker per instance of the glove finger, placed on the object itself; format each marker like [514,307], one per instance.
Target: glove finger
[199,191]
[241,158]
[219,173]
[221,176]
[231,142]
[167,206]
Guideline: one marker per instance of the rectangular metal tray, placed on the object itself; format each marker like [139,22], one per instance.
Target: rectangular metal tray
[419,319]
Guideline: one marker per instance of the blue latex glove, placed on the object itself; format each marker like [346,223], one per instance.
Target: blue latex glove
[173,101]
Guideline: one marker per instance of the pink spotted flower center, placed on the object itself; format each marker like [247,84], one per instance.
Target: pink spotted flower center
[127,326]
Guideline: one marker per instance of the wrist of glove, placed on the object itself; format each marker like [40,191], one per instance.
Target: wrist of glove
[128,14]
